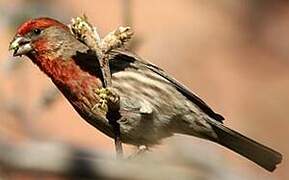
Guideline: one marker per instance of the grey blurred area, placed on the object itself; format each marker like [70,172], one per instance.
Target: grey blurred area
[233,54]
[45,160]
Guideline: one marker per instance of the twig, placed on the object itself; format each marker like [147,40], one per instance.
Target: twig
[88,34]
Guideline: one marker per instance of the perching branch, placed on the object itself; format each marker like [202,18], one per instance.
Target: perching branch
[63,160]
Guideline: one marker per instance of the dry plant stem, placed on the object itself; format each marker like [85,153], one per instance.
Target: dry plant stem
[114,40]
[105,70]
[88,34]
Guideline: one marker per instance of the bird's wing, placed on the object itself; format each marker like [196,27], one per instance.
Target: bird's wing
[122,58]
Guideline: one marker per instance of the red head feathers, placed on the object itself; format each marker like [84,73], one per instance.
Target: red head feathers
[39,23]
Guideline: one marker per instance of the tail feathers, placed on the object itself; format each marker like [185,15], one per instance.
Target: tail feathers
[254,151]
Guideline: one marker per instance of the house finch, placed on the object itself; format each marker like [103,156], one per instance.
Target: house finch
[152,104]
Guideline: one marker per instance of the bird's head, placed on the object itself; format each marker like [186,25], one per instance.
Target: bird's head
[38,36]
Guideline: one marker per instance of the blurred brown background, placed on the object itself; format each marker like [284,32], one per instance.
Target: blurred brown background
[233,54]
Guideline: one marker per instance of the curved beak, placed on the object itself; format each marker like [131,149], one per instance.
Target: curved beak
[20,46]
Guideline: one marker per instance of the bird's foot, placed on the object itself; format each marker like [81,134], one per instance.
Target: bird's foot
[140,151]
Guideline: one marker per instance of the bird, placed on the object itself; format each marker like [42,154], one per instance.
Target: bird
[152,104]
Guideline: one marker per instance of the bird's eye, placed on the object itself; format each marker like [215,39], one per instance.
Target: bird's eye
[36,31]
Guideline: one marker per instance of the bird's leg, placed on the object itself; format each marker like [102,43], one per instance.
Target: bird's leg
[109,106]
[88,34]
[140,150]
[113,115]
[117,140]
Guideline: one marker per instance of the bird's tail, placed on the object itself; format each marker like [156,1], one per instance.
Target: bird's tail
[254,151]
